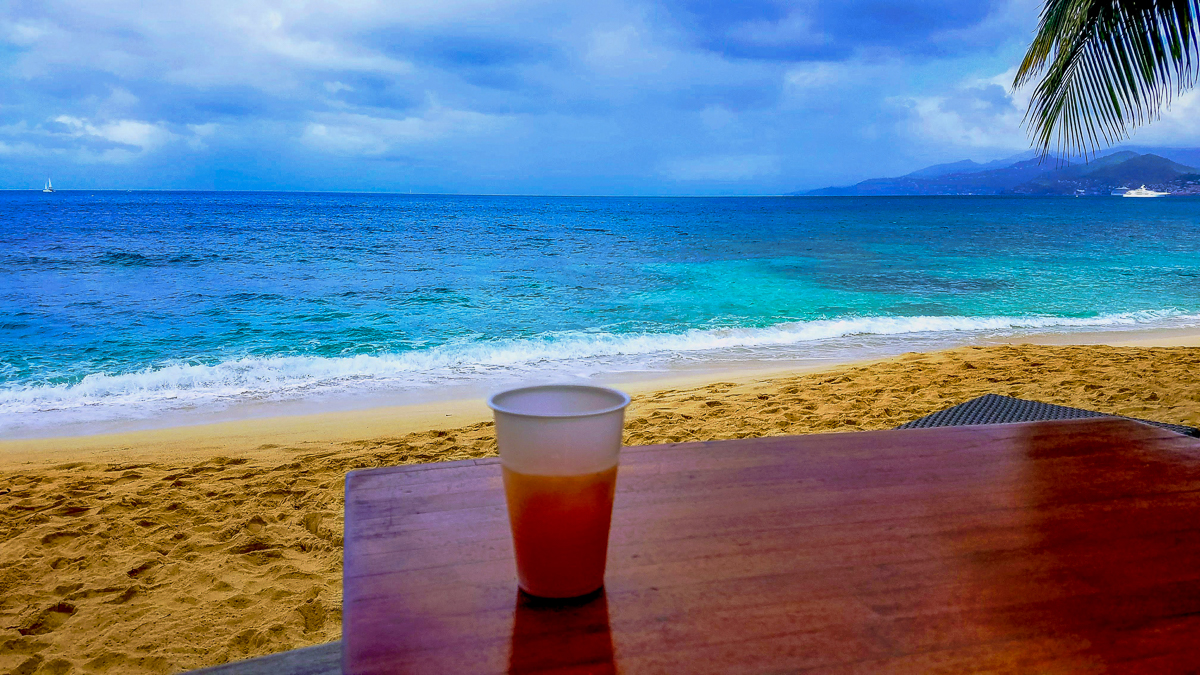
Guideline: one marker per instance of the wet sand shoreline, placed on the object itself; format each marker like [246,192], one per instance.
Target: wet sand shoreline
[248,437]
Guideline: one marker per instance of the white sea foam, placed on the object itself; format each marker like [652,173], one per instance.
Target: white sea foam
[102,396]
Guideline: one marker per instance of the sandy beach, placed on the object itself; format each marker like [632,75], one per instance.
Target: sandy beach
[162,551]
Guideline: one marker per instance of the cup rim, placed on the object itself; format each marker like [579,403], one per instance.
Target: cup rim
[494,405]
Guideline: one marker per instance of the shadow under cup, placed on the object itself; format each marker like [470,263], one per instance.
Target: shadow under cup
[559,450]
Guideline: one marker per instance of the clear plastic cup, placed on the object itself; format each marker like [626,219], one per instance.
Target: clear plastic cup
[559,450]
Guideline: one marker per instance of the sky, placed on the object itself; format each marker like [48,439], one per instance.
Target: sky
[525,97]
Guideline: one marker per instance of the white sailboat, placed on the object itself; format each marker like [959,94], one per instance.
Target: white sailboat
[49,187]
[1143,192]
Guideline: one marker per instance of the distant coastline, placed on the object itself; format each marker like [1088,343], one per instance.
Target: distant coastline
[1166,170]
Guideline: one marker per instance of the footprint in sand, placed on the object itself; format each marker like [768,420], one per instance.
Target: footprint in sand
[142,569]
[47,620]
[312,522]
[255,525]
[56,538]
[71,510]
[313,613]
[125,596]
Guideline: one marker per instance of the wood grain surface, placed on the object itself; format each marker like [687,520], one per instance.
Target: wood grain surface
[1069,546]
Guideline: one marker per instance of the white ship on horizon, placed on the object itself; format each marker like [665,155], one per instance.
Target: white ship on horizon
[1143,192]
[49,187]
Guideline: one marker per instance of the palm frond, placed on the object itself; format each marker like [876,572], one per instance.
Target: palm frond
[1110,65]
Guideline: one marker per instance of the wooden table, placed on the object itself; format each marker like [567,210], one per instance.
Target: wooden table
[1069,546]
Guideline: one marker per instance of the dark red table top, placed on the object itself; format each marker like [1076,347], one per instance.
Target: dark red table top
[1069,546]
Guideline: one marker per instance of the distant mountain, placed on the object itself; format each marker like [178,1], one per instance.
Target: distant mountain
[939,170]
[968,166]
[1022,175]
[974,181]
[1123,170]
[1185,156]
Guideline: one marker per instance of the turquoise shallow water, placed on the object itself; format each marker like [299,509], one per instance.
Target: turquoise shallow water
[119,307]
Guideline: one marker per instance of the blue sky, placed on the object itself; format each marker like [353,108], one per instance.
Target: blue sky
[462,96]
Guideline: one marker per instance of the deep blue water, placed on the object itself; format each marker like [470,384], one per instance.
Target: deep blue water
[118,306]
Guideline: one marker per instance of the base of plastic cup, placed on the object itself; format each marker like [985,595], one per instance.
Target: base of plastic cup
[572,599]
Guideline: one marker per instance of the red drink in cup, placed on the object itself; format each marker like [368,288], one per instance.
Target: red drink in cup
[559,448]
[560,530]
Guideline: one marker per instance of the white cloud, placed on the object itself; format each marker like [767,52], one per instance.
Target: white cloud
[793,31]
[141,135]
[217,43]
[807,76]
[977,113]
[328,54]
[618,45]
[1178,125]
[717,118]
[362,135]
[112,141]
[200,134]
[936,122]
[19,148]
[24,33]
[629,52]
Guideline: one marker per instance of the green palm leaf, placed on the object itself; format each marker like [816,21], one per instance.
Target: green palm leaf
[1110,65]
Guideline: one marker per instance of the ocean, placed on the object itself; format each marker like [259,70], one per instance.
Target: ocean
[124,310]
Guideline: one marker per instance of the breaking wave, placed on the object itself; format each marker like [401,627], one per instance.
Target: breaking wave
[143,393]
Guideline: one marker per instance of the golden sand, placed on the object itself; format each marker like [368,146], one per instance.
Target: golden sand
[164,551]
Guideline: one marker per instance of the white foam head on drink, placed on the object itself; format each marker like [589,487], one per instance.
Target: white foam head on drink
[559,429]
